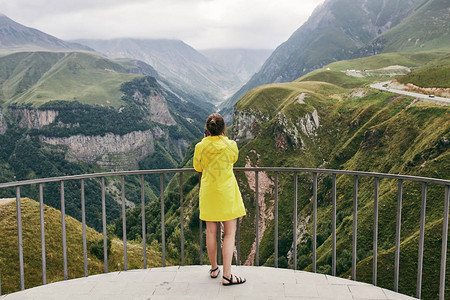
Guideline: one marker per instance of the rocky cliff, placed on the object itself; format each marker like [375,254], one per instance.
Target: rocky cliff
[32,118]
[246,122]
[157,107]
[3,124]
[111,151]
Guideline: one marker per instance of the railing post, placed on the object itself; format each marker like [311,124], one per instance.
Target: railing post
[314,222]
[257,217]
[444,244]
[105,241]
[41,216]
[355,225]
[333,271]
[181,219]
[200,221]
[238,242]
[163,222]
[63,224]
[144,235]
[398,233]
[83,224]
[276,221]
[20,240]
[295,220]
[124,226]
[375,232]
[421,239]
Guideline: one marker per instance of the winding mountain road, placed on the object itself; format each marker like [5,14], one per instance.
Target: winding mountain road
[379,86]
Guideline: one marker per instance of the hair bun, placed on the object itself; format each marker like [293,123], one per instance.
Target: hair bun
[215,124]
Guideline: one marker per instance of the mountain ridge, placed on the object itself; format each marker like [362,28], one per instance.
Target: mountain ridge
[177,62]
[17,37]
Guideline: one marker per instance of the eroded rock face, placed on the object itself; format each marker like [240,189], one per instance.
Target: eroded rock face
[309,123]
[156,105]
[265,187]
[3,124]
[287,134]
[33,118]
[111,151]
[246,124]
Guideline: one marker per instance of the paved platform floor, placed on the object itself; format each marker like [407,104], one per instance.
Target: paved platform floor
[193,282]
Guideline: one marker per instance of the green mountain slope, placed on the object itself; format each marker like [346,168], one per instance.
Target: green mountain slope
[428,28]
[379,68]
[333,120]
[434,77]
[9,255]
[39,77]
[360,129]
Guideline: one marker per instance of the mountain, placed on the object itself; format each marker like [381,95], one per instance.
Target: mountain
[242,62]
[180,64]
[344,29]
[60,96]
[16,37]
[330,118]
[39,77]
[67,113]
[428,28]
[9,253]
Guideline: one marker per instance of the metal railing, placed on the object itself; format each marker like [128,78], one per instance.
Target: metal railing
[315,172]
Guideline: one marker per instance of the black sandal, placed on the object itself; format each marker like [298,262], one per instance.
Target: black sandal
[230,280]
[211,271]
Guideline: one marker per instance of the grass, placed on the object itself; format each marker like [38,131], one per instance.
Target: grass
[80,76]
[427,28]
[9,259]
[434,77]
[333,73]
[272,98]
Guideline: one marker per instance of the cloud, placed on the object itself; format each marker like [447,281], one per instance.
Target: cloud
[200,23]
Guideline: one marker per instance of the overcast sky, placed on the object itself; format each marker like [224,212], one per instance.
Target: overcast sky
[203,24]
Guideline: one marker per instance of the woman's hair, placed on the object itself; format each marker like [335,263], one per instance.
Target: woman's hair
[215,124]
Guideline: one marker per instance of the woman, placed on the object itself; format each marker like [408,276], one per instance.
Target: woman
[220,198]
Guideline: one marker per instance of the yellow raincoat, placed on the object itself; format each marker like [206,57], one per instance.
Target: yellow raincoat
[220,198]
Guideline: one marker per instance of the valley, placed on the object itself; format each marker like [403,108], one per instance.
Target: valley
[330,97]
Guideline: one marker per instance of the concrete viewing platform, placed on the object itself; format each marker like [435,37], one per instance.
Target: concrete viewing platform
[193,282]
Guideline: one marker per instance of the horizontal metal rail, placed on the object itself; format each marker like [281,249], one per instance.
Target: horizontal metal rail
[258,235]
[260,169]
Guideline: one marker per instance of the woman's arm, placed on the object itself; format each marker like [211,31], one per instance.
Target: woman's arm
[235,152]
[198,158]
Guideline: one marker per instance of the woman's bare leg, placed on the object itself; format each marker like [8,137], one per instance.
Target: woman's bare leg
[211,245]
[228,247]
